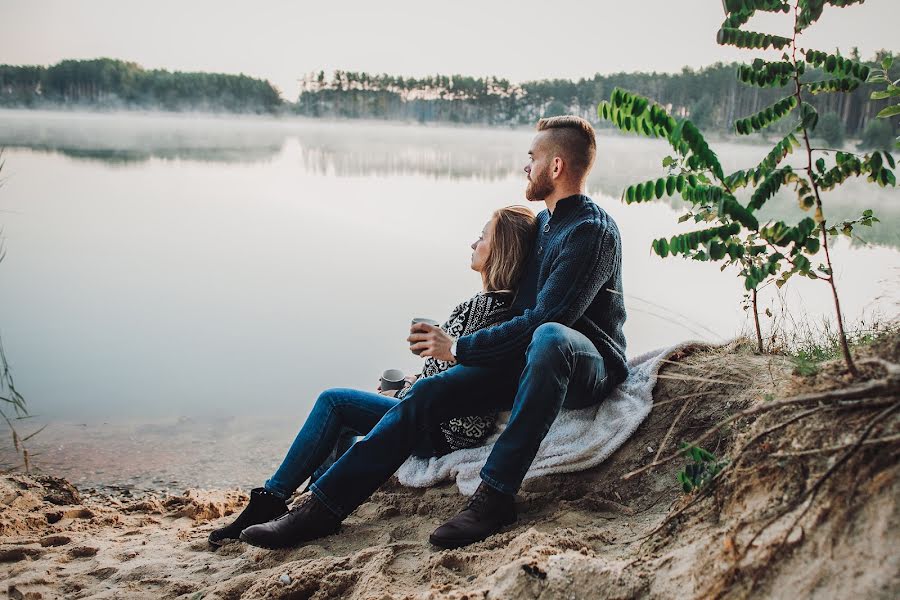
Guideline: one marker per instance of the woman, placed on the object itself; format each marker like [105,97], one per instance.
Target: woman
[339,415]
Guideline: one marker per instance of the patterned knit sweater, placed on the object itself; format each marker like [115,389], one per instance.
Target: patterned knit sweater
[573,277]
[481,310]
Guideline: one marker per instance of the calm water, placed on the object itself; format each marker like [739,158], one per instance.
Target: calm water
[165,267]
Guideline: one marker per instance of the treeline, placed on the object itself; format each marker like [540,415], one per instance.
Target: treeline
[110,83]
[712,97]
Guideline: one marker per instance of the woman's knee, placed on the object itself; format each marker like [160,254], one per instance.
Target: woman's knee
[332,399]
[327,398]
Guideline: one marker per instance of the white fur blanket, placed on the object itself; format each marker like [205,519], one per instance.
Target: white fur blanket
[577,440]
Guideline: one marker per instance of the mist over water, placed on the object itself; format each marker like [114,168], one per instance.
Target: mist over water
[186,265]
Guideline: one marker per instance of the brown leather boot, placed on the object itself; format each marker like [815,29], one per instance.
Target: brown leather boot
[486,513]
[264,506]
[309,520]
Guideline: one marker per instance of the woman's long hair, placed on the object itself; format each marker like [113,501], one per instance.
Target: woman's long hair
[511,241]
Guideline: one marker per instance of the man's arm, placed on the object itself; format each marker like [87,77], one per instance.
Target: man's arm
[586,262]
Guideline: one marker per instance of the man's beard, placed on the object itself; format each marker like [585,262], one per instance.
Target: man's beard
[540,186]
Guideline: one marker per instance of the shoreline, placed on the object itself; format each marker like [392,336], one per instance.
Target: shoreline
[602,130]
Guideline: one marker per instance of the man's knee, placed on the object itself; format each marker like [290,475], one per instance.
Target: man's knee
[549,343]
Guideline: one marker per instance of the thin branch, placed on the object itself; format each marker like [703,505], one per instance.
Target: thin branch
[703,379]
[875,441]
[675,421]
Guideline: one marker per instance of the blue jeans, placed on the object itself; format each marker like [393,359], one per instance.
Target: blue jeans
[560,368]
[338,417]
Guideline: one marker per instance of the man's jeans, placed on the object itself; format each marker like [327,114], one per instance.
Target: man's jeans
[561,367]
[338,417]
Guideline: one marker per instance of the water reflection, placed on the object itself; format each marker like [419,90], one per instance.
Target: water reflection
[363,149]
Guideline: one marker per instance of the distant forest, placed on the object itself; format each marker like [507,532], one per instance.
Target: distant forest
[116,84]
[712,96]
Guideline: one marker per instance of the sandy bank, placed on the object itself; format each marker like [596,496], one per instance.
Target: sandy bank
[587,535]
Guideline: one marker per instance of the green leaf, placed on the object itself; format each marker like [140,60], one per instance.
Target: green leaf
[766,74]
[766,116]
[809,116]
[768,188]
[842,84]
[688,141]
[661,247]
[886,62]
[634,113]
[660,188]
[890,111]
[837,64]
[888,93]
[729,36]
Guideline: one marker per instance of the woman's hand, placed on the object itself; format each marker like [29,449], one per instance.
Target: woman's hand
[428,340]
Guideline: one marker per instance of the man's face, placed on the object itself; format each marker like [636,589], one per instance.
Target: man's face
[538,169]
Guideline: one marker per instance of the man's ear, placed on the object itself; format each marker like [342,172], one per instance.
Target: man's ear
[559,166]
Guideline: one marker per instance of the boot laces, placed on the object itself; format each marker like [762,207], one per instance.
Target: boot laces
[479,502]
[297,507]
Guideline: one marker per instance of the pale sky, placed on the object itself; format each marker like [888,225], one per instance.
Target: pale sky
[281,40]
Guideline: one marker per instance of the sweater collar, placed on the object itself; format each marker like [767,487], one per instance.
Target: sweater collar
[568,204]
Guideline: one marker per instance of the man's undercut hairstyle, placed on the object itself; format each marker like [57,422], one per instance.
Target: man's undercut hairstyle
[572,139]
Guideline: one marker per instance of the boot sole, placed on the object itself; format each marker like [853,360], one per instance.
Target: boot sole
[220,543]
[248,540]
[452,544]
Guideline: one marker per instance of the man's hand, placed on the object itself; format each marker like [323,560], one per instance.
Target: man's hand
[431,341]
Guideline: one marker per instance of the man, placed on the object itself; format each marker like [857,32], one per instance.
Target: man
[565,348]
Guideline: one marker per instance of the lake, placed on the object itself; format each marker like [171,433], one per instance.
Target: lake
[192,270]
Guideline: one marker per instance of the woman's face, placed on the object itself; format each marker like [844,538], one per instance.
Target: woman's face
[482,247]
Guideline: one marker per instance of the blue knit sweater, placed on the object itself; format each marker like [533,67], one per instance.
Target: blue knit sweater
[573,277]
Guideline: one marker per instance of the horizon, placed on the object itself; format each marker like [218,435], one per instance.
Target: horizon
[275,43]
[329,74]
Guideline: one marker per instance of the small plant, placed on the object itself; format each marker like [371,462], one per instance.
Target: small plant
[701,469]
[731,232]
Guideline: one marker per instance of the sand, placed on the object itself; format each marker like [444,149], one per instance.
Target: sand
[585,535]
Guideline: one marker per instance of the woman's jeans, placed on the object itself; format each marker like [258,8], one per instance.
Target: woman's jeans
[561,367]
[338,417]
